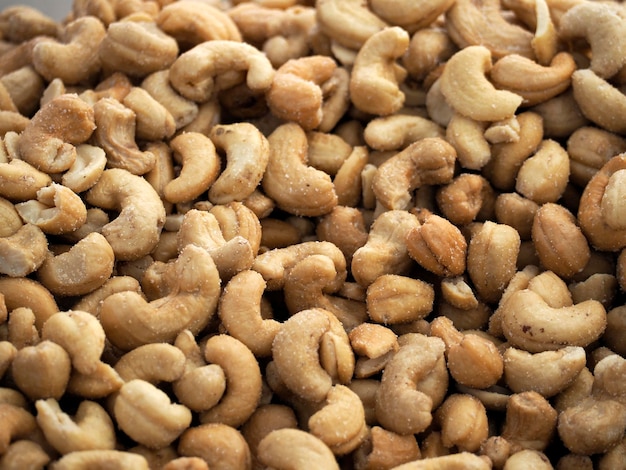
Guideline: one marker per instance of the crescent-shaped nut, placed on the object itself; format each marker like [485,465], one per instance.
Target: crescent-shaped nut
[599,101]
[295,186]
[153,120]
[195,73]
[20,181]
[23,252]
[375,77]
[398,131]
[305,451]
[247,155]
[25,292]
[467,89]
[102,459]
[217,445]
[154,363]
[411,16]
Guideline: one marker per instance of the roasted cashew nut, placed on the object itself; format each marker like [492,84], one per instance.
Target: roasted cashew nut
[305,451]
[86,170]
[397,131]
[18,423]
[154,363]
[195,73]
[412,16]
[23,252]
[41,371]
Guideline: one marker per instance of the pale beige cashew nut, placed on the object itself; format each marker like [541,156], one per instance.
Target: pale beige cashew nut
[48,141]
[147,415]
[340,423]
[85,267]
[401,405]
[295,186]
[455,461]
[298,353]
[89,164]
[42,371]
[589,148]
[467,136]
[544,176]
[243,381]
[24,87]
[154,363]
[91,302]
[24,454]
[221,446]
[599,101]
[21,330]
[305,451]
[300,80]
[376,75]
[73,57]
[193,282]
[115,133]
[465,86]
[393,299]
[473,361]
[153,121]
[91,428]
[200,167]
[191,24]
[309,284]
[135,231]
[605,32]
[349,23]
[247,155]
[101,460]
[17,422]
[201,229]
[239,309]
[470,24]
[541,83]
[552,371]
[457,292]
[23,252]
[530,421]
[463,422]
[26,292]
[528,457]
[183,111]
[137,48]
[599,214]
[385,251]
[411,16]
[80,334]
[195,74]
[397,131]
[336,93]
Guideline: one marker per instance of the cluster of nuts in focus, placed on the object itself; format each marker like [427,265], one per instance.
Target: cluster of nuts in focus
[313,234]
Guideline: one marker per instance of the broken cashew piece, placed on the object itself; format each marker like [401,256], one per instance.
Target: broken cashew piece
[23,252]
[467,89]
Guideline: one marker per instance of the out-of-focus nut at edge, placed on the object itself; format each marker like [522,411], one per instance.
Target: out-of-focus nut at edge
[18,423]
[102,458]
[25,292]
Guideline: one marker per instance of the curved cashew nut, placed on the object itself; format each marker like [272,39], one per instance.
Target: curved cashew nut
[605,32]
[296,187]
[102,459]
[153,120]
[194,284]
[154,363]
[243,377]
[236,219]
[85,267]
[300,80]
[25,453]
[544,176]
[25,292]
[135,231]
[74,57]
[385,251]
[183,111]
[303,363]
[467,89]
[217,444]
[200,167]
[399,130]
[87,168]
[90,429]
[247,155]
[80,334]
[240,311]
[340,423]
[350,23]
[41,371]
[400,404]
[375,77]
[17,423]
[304,451]
[23,252]
[147,415]
[48,140]
[20,181]
[412,16]
[552,371]
[115,133]
[195,73]
[427,161]
[459,460]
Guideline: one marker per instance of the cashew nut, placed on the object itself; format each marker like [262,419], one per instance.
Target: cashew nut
[25,292]
[397,131]
[23,252]
[543,177]
[463,421]
[17,423]
[220,445]
[304,451]
[411,16]
[86,170]
[154,363]
[530,421]
[101,460]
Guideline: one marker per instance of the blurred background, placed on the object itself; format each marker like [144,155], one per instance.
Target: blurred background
[57,9]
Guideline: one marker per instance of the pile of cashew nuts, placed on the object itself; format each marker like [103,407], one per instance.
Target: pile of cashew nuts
[296,234]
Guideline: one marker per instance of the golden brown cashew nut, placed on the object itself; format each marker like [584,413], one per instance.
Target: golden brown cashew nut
[193,283]
[25,454]
[25,292]
[135,231]
[412,16]
[236,219]
[467,89]
[349,23]
[457,461]
[23,252]
[295,186]
[543,177]
[219,445]
[305,451]
[42,370]
[147,415]
[240,311]
[21,23]
[20,181]
[375,77]
[195,74]
[530,421]
[48,141]
[402,403]
[74,57]
[393,299]
[200,166]
[247,155]
[154,363]
[17,423]
[463,421]
[428,161]
[91,428]
[397,131]
[101,460]
[153,121]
